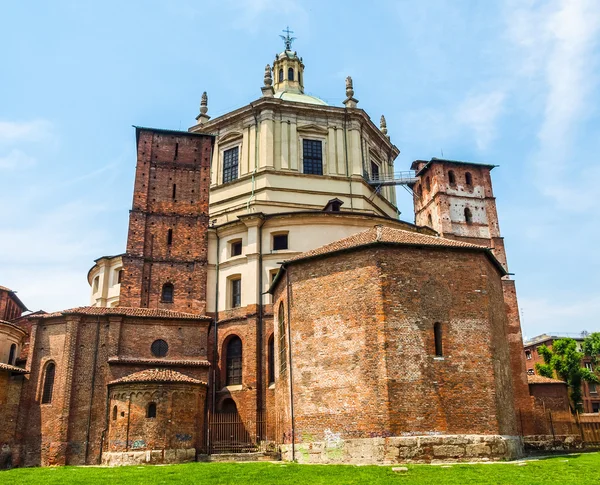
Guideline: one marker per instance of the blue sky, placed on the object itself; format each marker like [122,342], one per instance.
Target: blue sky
[513,83]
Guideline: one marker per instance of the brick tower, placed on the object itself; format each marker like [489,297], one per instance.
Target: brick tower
[456,199]
[165,265]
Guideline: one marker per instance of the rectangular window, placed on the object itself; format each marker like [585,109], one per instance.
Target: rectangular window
[592,388]
[120,276]
[530,372]
[280,241]
[528,355]
[312,153]
[236,248]
[374,171]
[588,366]
[236,293]
[596,407]
[230,164]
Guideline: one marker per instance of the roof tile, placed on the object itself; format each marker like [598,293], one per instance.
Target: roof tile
[157,375]
[125,311]
[535,379]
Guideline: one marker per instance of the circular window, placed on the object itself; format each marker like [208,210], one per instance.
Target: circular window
[159,348]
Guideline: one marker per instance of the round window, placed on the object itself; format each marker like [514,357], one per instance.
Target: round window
[159,348]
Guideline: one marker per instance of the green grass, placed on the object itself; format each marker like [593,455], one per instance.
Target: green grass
[565,470]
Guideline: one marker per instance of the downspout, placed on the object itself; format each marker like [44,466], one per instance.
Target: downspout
[346,156]
[89,420]
[289,313]
[252,196]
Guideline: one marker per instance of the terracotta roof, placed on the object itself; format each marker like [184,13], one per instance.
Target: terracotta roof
[14,325]
[157,375]
[535,379]
[382,234]
[161,362]
[5,288]
[12,368]
[14,296]
[125,311]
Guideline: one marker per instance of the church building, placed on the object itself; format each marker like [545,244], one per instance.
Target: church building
[270,299]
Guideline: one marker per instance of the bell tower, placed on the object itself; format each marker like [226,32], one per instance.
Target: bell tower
[456,199]
[288,69]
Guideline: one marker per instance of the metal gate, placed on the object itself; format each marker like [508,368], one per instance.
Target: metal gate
[230,433]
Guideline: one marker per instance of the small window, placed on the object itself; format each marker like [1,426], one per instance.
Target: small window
[451,177]
[596,407]
[374,171]
[282,339]
[48,388]
[236,248]
[530,372]
[280,241]
[169,237]
[588,366]
[468,179]
[230,164]
[592,388]
[114,413]
[271,360]
[174,191]
[528,355]
[12,354]
[437,334]
[233,364]
[290,74]
[312,152]
[427,184]
[159,348]
[236,293]
[119,276]
[151,411]
[429,220]
[280,75]
[468,216]
[167,293]
[96,284]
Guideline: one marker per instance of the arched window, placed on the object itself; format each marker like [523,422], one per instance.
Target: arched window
[429,220]
[228,406]
[151,410]
[468,179]
[290,74]
[233,363]
[451,177]
[282,340]
[11,355]
[114,413]
[437,335]
[468,216]
[271,360]
[167,293]
[280,75]
[427,184]
[48,383]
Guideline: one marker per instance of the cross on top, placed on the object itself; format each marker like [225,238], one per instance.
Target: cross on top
[287,39]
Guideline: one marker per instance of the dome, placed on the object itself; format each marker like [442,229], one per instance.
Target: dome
[299,98]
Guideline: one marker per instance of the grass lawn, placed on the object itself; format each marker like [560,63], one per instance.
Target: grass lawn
[565,470]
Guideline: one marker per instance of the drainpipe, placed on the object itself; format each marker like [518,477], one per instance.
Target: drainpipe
[346,154]
[289,313]
[89,419]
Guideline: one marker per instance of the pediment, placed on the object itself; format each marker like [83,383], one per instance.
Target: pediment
[312,129]
[231,136]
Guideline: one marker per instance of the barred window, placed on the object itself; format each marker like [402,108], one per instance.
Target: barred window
[230,164]
[48,383]
[236,293]
[233,363]
[282,340]
[167,293]
[312,152]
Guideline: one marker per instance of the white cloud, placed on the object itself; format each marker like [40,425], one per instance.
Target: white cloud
[19,131]
[479,113]
[16,159]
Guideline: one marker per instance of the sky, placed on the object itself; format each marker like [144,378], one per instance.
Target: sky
[511,83]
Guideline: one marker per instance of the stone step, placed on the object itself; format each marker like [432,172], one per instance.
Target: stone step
[220,457]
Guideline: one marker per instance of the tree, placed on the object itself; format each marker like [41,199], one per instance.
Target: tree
[591,347]
[565,360]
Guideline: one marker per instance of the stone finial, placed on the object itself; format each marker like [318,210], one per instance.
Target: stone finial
[350,101]
[267,89]
[383,127]
[349,87]
[268,78]
[203,117]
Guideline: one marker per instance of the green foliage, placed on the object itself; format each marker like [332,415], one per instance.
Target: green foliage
[564,360]
[563,470]
[591,347]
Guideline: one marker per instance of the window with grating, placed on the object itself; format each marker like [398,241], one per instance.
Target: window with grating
[48,383]
[236,293]
[230,164]
[167,293]
[233,364]
[312,153]
[159,348]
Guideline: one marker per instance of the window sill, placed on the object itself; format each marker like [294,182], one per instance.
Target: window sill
[271,385]
[439,358]
[237,387]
